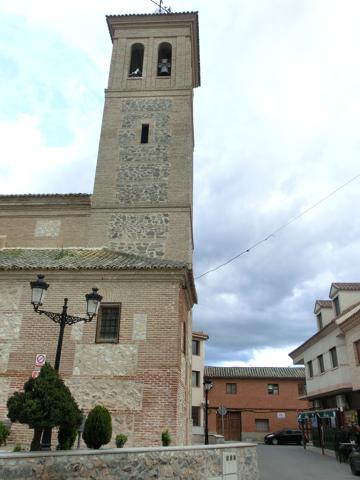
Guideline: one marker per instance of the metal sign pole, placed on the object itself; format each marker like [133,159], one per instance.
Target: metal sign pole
[222,425]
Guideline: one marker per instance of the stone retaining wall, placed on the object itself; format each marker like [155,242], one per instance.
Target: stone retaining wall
[237,461]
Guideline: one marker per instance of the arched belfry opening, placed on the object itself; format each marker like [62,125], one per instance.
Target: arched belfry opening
[137,59]
[164,60]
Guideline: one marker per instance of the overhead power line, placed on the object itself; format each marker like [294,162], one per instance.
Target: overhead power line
[284,225]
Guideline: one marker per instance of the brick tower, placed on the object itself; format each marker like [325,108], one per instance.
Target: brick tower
[142,201]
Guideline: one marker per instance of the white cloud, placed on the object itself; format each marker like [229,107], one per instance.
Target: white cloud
[275,357]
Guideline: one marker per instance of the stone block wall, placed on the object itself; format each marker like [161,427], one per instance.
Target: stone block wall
[221,462]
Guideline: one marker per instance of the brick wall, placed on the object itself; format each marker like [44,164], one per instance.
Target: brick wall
[45,220]
[253,402]
[139,380]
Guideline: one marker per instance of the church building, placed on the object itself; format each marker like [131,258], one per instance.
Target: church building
[132,239]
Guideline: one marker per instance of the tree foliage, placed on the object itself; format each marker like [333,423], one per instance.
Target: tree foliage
[120,440]
[66,437]
[46,402]
[165,438]
[4,433]
[97,429]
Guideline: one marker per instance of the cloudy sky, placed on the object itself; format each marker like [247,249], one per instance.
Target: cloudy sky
[277,129]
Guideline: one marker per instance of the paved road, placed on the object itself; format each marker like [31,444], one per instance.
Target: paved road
[292,462]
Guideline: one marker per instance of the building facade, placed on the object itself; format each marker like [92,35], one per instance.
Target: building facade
[197,390]
[257,400]
[332,357]
[132,239]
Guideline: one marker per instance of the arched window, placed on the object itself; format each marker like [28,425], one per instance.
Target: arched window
[164,60]
[137,58]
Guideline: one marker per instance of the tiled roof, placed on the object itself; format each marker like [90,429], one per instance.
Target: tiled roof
[37,195]
[79,259]
[255,372]
[346,286]
[200,335]
[150,14]
[324,303]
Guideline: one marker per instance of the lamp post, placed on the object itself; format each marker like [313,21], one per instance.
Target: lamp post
[208,385]
[38,291]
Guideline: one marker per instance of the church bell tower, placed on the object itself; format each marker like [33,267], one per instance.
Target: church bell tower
[142,200]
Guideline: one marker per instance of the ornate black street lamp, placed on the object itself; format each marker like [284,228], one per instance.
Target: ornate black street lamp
[208,385]
[38,290]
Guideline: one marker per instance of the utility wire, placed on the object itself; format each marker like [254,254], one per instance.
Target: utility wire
[289,222]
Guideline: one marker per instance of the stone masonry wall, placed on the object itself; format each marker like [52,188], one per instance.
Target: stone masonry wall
[233,461]
[142,176]
[139,233]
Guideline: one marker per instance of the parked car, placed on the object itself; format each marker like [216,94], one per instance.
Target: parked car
[284,436]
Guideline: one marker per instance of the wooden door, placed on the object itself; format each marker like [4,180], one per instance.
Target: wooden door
[232,426]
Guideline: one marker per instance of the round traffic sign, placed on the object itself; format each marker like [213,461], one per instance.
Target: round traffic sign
[222,410]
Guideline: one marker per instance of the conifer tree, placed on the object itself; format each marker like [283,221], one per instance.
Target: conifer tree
[46,402]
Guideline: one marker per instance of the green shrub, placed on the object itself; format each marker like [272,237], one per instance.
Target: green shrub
[165,438]
[17,448]
[45,402]
[97,430]
[120,440]
[4,433]
[66,437]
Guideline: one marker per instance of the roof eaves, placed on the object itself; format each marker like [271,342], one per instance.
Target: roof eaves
[310,341]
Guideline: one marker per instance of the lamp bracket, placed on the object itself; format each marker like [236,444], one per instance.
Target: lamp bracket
[57,317]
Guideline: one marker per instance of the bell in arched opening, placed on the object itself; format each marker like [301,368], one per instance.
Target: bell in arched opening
[164,60]
[137,59]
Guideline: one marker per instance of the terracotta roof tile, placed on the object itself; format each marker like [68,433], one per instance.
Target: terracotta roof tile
[324,303]
[255,372]
[150,14]
[346,286]
[79,259]
[36,195]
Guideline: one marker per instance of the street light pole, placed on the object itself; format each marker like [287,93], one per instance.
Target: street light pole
[93,299]
[208,385]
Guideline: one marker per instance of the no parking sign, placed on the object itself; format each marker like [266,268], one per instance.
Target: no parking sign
[40,359]
[39,363]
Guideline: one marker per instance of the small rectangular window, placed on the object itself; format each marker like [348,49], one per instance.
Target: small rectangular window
[183,339]
[195,378]
[319,321]
[145,133]
[273,389]
[261,425]
[108,324]
[301,389]
[334,358]
[337,306]
[357,352]
[321,363]
[231,388]
[195,414]
[195,347]
[310,368]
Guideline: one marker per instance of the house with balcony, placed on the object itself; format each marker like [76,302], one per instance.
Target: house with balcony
[332,358]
